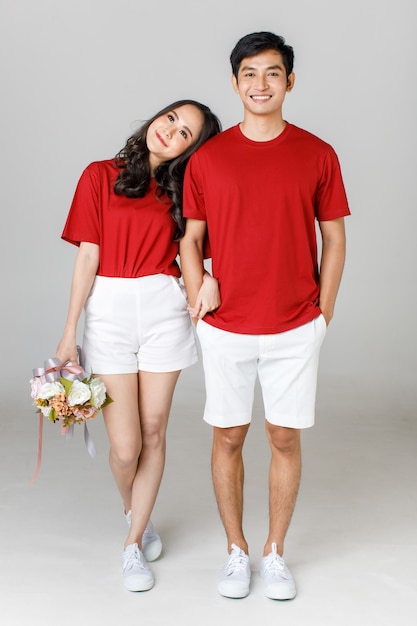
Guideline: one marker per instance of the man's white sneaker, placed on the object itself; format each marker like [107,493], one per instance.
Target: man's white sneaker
[137,575]
[151,541]
[234,579]
[277,578]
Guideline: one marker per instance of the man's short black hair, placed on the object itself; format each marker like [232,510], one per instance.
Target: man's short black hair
[254,43]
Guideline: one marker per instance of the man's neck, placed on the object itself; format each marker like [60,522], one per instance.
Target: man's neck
[262,128]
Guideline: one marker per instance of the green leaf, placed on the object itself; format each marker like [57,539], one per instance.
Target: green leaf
[67,384]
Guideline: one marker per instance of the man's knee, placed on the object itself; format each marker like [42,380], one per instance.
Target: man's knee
[229,440]
[283,440]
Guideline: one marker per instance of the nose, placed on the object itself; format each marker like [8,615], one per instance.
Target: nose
[261,83]
[167,130]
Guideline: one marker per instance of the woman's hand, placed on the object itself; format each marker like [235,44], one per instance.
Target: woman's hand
[208,298]
[67,349]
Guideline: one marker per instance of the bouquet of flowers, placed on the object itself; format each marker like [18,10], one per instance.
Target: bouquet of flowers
[63,392]
[71,401]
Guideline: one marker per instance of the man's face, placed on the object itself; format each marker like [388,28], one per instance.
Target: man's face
[262,83]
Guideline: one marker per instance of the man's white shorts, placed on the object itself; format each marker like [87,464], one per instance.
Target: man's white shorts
[286,364]
[134,324]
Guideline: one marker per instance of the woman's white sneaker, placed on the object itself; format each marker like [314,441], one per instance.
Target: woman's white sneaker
[151,541]
[137,575]
[277,578]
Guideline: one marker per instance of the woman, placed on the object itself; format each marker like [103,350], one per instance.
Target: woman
[126,218]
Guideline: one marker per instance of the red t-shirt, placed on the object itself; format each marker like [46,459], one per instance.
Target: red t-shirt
[134,234]
[261,201]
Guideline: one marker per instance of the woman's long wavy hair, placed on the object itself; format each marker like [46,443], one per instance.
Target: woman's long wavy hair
[133,161]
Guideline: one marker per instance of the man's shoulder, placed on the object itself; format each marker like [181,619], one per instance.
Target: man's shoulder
[214,143]
[300,134]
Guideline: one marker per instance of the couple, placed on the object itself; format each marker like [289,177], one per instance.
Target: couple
[252,195]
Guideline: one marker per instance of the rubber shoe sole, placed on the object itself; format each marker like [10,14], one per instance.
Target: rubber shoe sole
[233,589]
[138,582]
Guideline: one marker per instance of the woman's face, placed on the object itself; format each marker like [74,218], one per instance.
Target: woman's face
[172,133]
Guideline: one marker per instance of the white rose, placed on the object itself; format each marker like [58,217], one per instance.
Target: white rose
[98,392]
[79,393]
[49,390]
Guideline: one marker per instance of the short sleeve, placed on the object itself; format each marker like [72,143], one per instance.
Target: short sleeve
[331,201]
[83,221]
[193,196]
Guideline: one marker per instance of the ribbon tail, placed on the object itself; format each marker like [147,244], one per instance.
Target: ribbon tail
[68,431]
[89,443]
[39,461]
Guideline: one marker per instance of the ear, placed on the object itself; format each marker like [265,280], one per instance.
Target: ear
[235,84]
[290,82]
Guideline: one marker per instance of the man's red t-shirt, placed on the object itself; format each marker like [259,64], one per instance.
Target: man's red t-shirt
[261,201]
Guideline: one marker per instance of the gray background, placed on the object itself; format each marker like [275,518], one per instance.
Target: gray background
[77,77]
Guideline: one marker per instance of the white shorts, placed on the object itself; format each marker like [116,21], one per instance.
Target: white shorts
[134,324]
[286,364]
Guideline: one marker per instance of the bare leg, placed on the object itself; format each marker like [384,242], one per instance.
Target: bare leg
[136,424]
[228,478]
[155,398]
[284,481]
[123,428]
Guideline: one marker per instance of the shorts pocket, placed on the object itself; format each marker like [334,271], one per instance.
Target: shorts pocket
[180,287]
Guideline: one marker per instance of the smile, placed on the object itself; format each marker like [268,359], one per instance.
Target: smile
[261,98]
[161,139]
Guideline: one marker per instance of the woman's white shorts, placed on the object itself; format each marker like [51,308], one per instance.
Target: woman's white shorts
[286,364]
[134,324]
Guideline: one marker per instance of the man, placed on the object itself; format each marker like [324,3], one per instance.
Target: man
[256,191]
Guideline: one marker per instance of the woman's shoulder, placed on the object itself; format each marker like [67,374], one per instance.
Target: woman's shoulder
[105,165]
[101,170]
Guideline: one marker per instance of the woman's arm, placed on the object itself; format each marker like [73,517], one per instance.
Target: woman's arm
[332,263]
[85,269]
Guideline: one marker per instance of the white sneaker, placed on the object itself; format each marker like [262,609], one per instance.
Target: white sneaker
[277,578]
[234,579]
[151,541]
[137,575]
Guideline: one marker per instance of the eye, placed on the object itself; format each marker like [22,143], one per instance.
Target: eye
[249,74]
[171,117]
[184,134]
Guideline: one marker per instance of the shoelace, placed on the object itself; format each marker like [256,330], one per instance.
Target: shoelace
[236,563]
[133,558]
[274,564]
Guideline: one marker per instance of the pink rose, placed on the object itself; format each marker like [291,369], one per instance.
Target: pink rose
[86,413]
[36,385]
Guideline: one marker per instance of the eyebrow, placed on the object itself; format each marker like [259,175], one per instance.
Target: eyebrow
[270,67]
[174,113]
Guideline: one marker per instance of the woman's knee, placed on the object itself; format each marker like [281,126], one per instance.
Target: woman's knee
[153,434]
[126,454]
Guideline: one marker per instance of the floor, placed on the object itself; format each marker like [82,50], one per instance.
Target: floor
[352,545]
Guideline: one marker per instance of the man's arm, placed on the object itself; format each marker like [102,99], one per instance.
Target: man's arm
[202,289]
[331,265]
